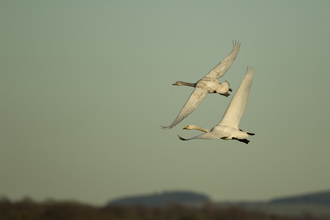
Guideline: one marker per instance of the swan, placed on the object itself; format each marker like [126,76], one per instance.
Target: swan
[180,83]
[228,129]
[208,84]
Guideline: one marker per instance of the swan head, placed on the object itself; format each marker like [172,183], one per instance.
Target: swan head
[178,83]
[190,127]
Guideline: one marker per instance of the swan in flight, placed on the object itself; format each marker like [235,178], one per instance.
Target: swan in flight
[208,84]
[228,129]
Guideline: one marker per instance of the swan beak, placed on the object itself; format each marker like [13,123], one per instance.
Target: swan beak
[185,128]
[230,90]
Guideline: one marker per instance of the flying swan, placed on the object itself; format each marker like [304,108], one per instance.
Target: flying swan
[208,84]
[227,129]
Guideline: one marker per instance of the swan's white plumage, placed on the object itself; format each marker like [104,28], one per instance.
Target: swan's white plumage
[237,105]
[196,97]
[228,127]
[208,84]
[220,69]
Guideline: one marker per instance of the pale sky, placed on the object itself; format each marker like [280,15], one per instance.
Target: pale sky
[85,86]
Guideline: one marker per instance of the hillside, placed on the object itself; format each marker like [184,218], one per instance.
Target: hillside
[314,198]
[163,199]
[315,204]
[27,209]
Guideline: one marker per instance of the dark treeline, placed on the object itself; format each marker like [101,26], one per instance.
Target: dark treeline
[27,209]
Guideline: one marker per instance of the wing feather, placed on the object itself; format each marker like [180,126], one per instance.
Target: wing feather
[196,97]
[225,64]
[208,136]
[237,105]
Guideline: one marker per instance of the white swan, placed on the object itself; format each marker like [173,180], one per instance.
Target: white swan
[227,129]
[208,84]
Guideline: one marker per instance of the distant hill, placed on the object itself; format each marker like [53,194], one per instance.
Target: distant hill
[316,204]
[162,199]
[313,198]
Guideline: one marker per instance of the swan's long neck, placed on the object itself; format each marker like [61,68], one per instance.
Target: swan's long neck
[187,84]
[202,129]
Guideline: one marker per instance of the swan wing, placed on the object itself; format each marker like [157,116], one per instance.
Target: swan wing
[237,105]
[224,65]
[196,97]
[208,136]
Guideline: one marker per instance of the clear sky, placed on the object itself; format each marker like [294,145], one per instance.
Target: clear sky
[85,86]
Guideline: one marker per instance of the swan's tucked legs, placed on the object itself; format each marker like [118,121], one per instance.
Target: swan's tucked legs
[242,140]
[225,94]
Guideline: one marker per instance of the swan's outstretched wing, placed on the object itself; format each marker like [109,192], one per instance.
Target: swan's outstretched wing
[237,105]
[209,136]
[224,65]
[196,97]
